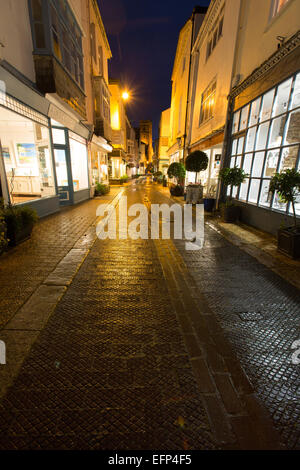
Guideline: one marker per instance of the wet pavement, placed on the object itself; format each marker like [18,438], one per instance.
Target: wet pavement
[151,347]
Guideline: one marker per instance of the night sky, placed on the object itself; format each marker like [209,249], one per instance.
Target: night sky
[143,38]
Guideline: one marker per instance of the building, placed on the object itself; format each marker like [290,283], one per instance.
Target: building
[210,84]
[118,156]
[180,85]
[132,150]
[263,131]
[145,143]
[163,141]
[96,55]
[46,122]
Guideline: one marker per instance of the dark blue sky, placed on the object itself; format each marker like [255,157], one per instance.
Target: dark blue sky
[143,38]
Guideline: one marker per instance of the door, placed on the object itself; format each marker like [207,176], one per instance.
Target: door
[63,176]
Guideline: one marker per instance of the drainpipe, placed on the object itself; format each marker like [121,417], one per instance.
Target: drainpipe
[227,130]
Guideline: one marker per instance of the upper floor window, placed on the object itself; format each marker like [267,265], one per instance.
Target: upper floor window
[65,38]
[93,41]
[208,102]
[276,6]
[215,34]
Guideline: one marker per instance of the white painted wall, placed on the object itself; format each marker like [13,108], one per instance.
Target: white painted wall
[258,33]
[218,65]
[15,35]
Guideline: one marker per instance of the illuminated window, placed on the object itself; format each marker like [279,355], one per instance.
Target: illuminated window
[276,6]
[208,103]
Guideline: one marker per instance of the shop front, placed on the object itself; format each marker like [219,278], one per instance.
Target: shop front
[27,170]
[99,160]
[117,164]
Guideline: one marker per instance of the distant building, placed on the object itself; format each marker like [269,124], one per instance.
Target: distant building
[145,143]
[118,156]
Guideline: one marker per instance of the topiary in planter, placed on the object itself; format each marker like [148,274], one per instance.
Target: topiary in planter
[196,161]
[287,185]
[176,170]
[101,189]
[231,177]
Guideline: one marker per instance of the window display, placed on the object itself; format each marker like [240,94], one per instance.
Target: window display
[27,157]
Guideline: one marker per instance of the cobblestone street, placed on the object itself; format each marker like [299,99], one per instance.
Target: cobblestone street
[151,346]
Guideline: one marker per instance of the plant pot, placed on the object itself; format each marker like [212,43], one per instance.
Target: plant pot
[209,204]
[230,214]
[18,236]
[289,242]
[176,190]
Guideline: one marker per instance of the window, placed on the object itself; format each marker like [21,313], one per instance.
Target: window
[208,103]
[79,162]
[215,34]
[100,56]
[272,141]
[276,6]
[38,25]
[93,41]
[65,40]
[183,65]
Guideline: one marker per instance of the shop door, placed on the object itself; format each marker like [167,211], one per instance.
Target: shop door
[63,176]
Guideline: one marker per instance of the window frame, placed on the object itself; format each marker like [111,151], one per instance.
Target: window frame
[213,87]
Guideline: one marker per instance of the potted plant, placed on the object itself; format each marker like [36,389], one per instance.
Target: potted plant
[176,170]
[231,177]
[209,202]
[287,186]
[19,222]
[101,189]
[195,162]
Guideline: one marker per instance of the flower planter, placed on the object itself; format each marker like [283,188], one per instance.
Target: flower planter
[176,190]
[289,242]
[209,204]
[17,236]
[230,214]
[194,194]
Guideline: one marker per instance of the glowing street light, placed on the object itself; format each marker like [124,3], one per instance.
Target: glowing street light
[125,95]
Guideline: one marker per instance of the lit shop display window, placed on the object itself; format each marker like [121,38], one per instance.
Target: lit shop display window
[27,157]
[265,140]
[79,162]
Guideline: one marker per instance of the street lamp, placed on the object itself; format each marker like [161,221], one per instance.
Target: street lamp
[125,95]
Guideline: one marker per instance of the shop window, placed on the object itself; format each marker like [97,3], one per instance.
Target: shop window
[250,140]
[271,163]
[79,162]
[254,113]
[27,157]
[257,166]
[265,195]
[240,145]
[293,128]
[289,156]
[247,163]
[235,123]
[267,103]
[238,161]
[275,140]
[276,132]
[234,147]
[244,118]
[232,162]
[295,102]
[254,190]
[244,190]
[282,98]
[58,136]
[262,135]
